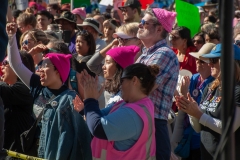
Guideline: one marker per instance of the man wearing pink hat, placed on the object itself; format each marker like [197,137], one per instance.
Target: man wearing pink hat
[80,14]
[153,30]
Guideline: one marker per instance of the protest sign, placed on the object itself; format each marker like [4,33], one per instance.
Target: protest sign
[53,1]
[78,3]
[146,3]
[21,4]
[117,3]
[188,16]
[181,74]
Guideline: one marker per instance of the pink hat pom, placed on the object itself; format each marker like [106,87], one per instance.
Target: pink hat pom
[124,56]
[62,63]
[165,17]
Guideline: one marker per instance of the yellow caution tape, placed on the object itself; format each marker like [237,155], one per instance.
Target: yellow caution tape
[22,156]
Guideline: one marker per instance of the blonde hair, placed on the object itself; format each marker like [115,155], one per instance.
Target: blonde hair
[27,19]
[130,29]
[37,36]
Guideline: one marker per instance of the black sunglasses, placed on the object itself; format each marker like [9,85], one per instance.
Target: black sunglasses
[213,60]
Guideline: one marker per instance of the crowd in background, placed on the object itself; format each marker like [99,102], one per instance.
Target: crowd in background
[104,85]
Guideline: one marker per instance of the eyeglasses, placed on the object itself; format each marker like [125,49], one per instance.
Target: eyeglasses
[123,9]
[213,60]
[143,22]
[198,41]
[123,41]
[5,62]
[45,65]
[173,38]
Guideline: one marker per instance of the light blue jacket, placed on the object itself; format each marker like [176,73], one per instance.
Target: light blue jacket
[64,133]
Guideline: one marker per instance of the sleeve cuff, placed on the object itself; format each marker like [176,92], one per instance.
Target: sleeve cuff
[203,119]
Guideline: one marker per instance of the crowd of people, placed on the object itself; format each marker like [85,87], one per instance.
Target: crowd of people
[104,85]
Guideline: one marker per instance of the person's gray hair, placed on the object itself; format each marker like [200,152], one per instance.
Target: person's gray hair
[151,13]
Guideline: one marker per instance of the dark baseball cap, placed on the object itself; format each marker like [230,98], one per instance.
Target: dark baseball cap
[132,4]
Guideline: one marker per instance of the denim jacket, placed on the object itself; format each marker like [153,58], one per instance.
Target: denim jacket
[64,133]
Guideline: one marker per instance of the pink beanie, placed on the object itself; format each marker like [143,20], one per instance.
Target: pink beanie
[165,17]
[124,56]
[62,63]
[80,11]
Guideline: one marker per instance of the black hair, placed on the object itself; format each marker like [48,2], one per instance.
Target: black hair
[146,75]
[27,60]
[60,46]
[185,33]
[90,41]
[212,19]
[16,13]
[113,85]
[200,34]
[45,13]
[54,6]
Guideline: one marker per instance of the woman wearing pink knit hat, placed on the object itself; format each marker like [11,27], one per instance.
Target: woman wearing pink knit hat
[117,59]
[61,126]
[124,131]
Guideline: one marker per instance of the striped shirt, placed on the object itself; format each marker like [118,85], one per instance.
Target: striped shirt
[166,59]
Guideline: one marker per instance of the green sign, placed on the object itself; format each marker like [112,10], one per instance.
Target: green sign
[188,16]
[78,3]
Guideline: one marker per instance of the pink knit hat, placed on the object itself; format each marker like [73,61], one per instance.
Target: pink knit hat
[124,56]
[61,62]
[80,11]
[165,17]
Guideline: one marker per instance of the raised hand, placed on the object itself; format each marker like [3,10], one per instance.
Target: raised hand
[91,86]
[11,28]
[38,49]
[185,86]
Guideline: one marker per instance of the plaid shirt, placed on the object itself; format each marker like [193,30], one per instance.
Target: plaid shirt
[167,78]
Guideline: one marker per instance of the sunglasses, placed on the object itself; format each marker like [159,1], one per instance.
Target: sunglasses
[198,41]
[26,42]
[5,62]
[123,9]
[213,60]
[143,22]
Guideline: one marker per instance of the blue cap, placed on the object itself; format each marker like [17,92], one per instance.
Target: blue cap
[216,52]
